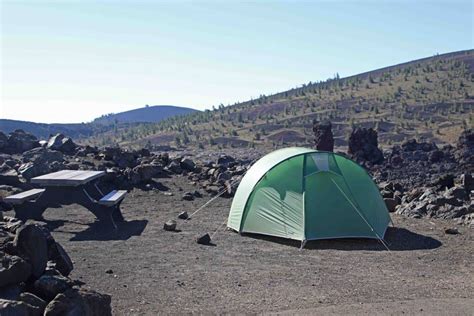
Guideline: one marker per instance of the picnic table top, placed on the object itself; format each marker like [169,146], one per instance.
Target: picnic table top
[67,178]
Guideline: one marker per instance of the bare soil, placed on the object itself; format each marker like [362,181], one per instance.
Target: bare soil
[156,271]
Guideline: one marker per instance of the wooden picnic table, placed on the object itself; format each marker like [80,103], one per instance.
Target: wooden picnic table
[67,178]
[67,187]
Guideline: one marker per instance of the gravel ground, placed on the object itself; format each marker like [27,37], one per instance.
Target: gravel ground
[155,271]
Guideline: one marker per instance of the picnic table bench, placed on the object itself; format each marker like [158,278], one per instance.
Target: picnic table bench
[69,187]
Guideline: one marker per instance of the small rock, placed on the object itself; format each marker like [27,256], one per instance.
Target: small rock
[188,196]
[391,204]
[170,225]
[204,239]
[451,231]
[183,215]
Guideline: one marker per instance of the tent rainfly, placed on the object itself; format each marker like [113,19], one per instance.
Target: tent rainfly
[304,194]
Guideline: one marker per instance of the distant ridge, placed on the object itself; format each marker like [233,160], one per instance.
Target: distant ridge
[147,114]
[43,130]
[103,124]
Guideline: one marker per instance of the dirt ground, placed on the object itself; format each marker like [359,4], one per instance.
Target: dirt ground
[155,271]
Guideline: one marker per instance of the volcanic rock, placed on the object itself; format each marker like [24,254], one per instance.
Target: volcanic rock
[204,239]
[34,301]
[31,242]
[188,196]
[363,145]
[3,141]
[451,231]
[170,225]
[323,137]
[8,175]
[13,270]
[391,204]
[183,215]
[79,302]
[187,164]
[467,182]
[48,286]
[61,143]
[19,141]
[16,308]
[144,173]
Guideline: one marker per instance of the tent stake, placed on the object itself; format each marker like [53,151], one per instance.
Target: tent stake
[303,243]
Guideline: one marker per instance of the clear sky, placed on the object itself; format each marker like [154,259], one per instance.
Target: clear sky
[71,61]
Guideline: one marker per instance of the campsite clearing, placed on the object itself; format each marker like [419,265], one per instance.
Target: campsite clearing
[160,271]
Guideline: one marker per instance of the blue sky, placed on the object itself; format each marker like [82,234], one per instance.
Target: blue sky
[71,61]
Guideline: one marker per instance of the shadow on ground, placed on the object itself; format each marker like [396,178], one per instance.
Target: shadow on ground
[125,230]
[397,239]
[97,231]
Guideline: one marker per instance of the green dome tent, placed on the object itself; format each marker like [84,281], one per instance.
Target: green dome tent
[304,194]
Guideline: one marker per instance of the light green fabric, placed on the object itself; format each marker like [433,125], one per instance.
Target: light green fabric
[303,194]
[275,205]
[253,176]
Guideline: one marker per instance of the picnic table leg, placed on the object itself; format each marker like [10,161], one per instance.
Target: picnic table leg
[117,213]
[103,214]
[94,192]
[34,209]
[29,210]
[87,197]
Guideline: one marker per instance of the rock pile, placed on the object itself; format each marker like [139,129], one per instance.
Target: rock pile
[415,164]
[34,271]
[323,137]
[220,176]
[441,201]
[419,179]
[124,169]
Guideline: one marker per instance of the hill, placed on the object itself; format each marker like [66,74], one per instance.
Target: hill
[42,130]
[136,119]
[430,99]
[147,114]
